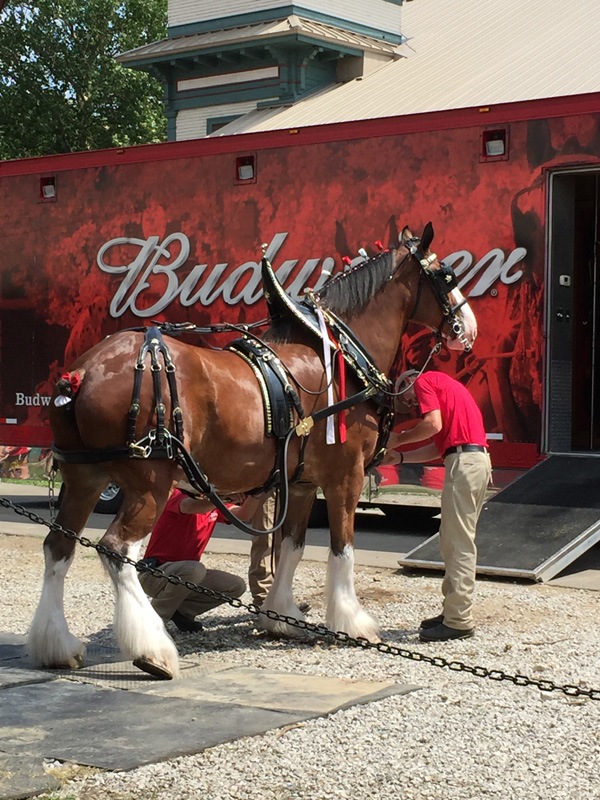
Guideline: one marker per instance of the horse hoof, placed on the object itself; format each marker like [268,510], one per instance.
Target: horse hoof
[79,661]
[72,662]
[154,668]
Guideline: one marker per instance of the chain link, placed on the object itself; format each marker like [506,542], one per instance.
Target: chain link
[544,685]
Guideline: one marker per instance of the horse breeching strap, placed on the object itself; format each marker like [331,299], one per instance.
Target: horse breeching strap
[280,401]
[160,443]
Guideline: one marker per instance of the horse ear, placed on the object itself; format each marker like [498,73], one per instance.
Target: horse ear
[406,234]
[393,234]
[427,237]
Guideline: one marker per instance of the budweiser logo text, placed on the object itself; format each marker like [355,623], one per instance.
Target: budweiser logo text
[243,284]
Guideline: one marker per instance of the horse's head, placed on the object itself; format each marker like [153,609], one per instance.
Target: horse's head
[440,304]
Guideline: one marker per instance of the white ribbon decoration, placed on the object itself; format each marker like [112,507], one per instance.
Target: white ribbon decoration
[327,348]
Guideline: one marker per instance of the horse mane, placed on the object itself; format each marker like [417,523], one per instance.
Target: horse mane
[350,291]
[343,294]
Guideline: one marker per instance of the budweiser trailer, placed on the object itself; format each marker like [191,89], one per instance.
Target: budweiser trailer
[100,241]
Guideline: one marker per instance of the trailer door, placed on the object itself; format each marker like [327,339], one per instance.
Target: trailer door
[573,386]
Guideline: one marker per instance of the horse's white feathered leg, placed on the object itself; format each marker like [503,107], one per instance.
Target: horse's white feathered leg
[50,644]
[138,628]
[280,597]
[344,612]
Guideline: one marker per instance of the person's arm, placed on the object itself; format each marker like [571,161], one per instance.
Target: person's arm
[424,429]
[249,507]
[191,505]
[421,455]
[244,511]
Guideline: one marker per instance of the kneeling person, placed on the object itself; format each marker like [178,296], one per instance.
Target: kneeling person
[176,545]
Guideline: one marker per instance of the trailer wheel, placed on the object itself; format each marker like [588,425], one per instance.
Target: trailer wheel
[110,500]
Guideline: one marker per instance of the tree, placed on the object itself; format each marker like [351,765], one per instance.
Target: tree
[61,89]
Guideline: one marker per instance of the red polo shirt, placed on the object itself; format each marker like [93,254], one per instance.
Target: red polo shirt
[462,422]
[181,537]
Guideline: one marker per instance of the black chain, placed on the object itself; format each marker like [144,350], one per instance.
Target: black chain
[543,685]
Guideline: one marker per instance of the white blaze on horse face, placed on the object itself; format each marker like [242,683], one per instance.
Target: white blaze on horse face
[467,318]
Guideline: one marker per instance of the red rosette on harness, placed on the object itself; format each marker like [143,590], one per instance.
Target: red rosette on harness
[67,387]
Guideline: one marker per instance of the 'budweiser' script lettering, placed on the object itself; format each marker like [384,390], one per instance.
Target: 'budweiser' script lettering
[243,283]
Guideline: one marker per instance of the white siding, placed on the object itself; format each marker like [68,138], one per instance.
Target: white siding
[227,78]
[191,123]
[184,12]
[377,14]
[374,14]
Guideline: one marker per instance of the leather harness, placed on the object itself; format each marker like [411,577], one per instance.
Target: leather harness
[281,401]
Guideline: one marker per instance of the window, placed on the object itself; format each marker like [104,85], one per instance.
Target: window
[216,123]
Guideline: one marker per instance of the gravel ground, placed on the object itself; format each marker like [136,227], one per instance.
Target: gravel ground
[458,737]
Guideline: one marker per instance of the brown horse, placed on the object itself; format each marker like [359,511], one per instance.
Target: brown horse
[222,408]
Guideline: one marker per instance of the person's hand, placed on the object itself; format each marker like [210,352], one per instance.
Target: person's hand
[392,458]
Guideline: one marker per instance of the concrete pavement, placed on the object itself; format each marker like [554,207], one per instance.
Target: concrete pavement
[379,542]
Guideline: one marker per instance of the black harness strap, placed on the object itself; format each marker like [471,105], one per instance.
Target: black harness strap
[157,444]
[134,408]
[281,397]
[385,414]
[155,345]
[304,426]
[176,411]
[92,456]
[199,480]
[386,423]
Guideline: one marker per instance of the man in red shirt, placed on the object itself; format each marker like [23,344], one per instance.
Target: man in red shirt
[176,545]
[452,420]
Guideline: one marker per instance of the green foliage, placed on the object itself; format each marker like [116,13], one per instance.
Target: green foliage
[61,89]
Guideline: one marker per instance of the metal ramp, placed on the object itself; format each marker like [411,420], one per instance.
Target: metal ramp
[536,526]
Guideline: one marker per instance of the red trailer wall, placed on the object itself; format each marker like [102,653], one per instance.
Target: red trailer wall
[56,302]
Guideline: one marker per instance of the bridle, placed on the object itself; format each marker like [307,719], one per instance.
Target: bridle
[443,280]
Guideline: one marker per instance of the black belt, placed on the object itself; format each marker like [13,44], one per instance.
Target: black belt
[465,448]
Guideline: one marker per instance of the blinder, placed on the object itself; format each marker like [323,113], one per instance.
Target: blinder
[444,280]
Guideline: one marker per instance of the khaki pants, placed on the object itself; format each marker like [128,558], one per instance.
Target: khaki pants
[467,476]
[169,597]
[264,552]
